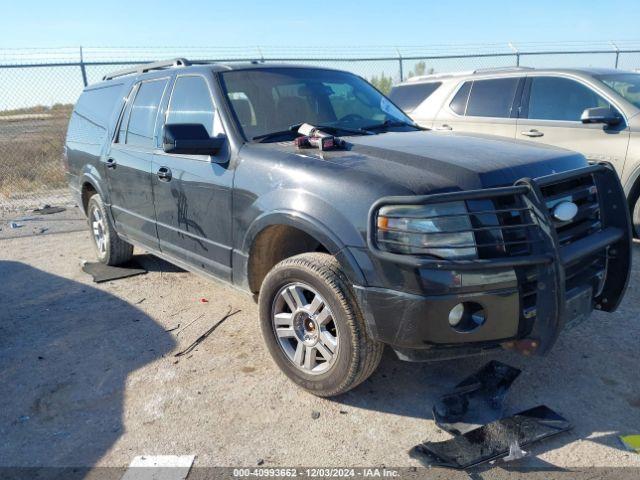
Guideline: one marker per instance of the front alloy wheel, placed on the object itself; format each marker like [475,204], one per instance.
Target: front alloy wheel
[313,327]
[303,324]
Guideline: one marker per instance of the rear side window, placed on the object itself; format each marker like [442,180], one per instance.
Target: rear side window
[191,103]
[492,98]
[142,119]
[90,119]
[409,96]
[554,98]
[459,102]
[97,104]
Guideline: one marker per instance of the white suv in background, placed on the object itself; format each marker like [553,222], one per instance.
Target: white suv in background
[593,111]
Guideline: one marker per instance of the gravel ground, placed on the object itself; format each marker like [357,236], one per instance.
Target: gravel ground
[90,377]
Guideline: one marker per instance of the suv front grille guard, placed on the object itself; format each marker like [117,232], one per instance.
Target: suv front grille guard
[524,235]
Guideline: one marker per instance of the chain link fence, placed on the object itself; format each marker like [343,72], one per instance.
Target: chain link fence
[38,88]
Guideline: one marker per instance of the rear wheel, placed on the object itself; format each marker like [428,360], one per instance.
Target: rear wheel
[110,249]
[635,217]
[313,326]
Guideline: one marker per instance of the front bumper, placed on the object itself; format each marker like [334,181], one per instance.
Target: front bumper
[530,296]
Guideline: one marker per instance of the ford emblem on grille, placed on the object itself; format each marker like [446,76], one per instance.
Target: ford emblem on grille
[565,211]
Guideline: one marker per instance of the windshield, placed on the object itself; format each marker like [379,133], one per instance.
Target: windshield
[267,100]
[626,85]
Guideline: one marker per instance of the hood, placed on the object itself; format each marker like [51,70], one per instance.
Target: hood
[428,162]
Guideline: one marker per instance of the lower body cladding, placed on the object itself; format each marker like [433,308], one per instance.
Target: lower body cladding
[431,309]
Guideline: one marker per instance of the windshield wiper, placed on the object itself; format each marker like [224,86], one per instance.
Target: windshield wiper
[293,130]
[336,129]
[392,123]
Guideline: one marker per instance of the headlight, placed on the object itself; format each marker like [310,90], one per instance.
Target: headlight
[440,229]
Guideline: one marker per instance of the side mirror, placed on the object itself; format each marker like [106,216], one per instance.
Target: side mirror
[604,115]
[190,139]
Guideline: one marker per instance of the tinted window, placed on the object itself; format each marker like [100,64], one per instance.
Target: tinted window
[142,118]
[90,118]
[191,103]
[409,96]
[625,84]
[459,102]
[561,99]
[492,98]
[122,131]
[267,100]
[97,105]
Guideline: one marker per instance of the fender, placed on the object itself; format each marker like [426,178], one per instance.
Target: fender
[92,176]
[305,223]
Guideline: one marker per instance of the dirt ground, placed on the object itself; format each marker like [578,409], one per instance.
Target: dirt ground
[90,378]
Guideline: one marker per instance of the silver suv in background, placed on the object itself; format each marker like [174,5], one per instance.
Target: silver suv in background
[591,110]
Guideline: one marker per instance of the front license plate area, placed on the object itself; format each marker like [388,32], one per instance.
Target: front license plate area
[579,305]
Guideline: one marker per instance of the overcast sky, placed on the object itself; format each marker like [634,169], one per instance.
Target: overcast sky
[62,23]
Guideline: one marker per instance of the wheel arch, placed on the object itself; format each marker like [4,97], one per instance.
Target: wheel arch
[310,231]
[89,185]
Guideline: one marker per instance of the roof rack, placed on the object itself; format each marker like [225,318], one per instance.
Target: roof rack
[147,67]
[433,76]
[502,69]
[430,76]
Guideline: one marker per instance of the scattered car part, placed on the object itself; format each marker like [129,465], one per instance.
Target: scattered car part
[48,210]
[493,440]
[515,452]
[104,273]
[476,400]
[204,336]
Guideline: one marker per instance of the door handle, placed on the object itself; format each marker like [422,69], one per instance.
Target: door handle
[164,174]
[532,133]
[111,163]
[444,127]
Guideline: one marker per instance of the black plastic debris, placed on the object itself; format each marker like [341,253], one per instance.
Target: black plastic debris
[476,400]
[104,273]
[48,210]
[493,440]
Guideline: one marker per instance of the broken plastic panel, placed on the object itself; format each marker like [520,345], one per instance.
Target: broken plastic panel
[476,400]
[493,440]
[105,273]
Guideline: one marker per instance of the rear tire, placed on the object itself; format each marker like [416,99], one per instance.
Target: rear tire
[635,217]
[313,326]
[110,249]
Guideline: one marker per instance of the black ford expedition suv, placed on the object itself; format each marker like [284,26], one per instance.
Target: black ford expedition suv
[367,231]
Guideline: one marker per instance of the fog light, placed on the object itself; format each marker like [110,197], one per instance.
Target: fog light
[467,316]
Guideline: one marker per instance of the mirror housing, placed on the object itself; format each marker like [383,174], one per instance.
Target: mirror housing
[604,115]
[190,139]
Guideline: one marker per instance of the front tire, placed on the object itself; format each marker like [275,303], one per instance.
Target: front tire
[110,249]
[313,327]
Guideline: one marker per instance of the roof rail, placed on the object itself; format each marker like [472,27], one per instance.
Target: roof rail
[430,76]
[147,67]
[501,69]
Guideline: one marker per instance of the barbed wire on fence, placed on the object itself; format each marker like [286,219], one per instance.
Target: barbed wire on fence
[40,85]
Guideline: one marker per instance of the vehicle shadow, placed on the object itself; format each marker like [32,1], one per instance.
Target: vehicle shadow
[151,263]
[590,377]
[66,350]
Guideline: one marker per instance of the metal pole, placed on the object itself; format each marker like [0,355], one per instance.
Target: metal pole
[400,65]
[83,69]
[517,52]
[617,53]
